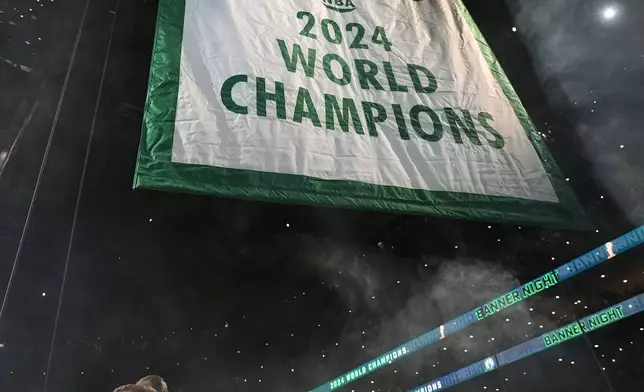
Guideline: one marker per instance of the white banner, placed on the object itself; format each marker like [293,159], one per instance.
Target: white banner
[372,104]
[407,80]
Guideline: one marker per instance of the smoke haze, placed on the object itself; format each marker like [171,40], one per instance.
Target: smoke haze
[572,47]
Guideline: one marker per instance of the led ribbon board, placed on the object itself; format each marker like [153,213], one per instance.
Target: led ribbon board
[538,285]
[571,331]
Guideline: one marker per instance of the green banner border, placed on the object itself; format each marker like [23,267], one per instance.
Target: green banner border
[155,170]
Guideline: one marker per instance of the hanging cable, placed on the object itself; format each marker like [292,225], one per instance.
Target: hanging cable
[587,340]
[79,196]
[18,138]
[43,164]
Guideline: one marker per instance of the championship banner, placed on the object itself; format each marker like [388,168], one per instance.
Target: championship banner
[369,104]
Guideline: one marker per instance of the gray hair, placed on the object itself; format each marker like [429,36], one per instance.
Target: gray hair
[133,388]
[146,384]
[154,382]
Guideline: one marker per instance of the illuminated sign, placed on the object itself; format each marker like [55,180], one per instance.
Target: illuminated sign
[527,290]
[430,387]
[602,319]
[562,334]
[595,321]
[538,344]
[542,283]
[461,375]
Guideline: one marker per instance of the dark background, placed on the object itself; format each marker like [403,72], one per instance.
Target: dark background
[220,295]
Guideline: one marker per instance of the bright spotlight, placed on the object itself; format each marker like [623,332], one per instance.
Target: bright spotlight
[609,13]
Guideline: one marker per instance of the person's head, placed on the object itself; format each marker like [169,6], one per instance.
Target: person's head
[134,388]
[154,382]
[146,384]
